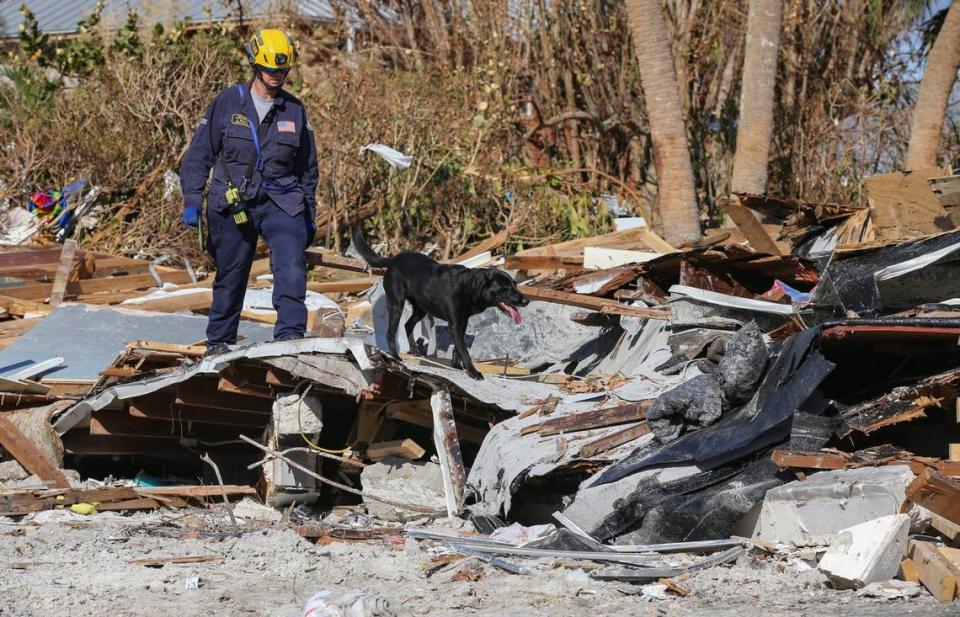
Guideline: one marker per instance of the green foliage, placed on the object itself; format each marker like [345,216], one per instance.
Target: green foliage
[33,43]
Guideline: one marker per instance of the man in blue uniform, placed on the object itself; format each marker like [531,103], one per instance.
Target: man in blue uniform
[257,140]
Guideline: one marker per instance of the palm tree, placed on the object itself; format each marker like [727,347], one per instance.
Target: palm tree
[679,215]
[755,127]
[931,106]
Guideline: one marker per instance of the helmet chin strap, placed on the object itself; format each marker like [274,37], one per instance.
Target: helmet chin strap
[272,90]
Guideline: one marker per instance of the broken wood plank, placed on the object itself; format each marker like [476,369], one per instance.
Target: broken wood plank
[192,351]
[419,416]
[18,307]
[205,393]
[612,441]
[403,448]
[321,257]
[543,262]
[348,286]
[825,460]
[204,415]
[197,491]
[904,206]
[749,226]
[608,416]
[934,571]
[491,243]
[28,455]
[448,451]
[67,256]
[197,301]
[633,238]
[143,503]
[611,307]
[936,493]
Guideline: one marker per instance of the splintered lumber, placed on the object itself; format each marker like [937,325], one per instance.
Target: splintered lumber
[592,302]
[403,448]
[318,257]
[934,571]
[448,451]
[63,272]
[205,415]
[903,205]
[750,227]
[543,262]
[616,439]
[826,460]
[18,307]
[29,455]
[636,237]
[197,491]
[480,248]
[348,286]
[608,416]
[936,493]
[418,416]
[175,303]
[193,351]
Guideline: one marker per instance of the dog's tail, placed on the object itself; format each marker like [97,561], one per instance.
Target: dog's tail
[369,256]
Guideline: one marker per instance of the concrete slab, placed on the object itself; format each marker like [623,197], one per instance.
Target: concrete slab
[870,552]
[815,510]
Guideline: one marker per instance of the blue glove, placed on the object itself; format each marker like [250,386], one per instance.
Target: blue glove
[191,216]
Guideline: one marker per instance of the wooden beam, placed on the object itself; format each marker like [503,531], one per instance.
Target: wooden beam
[20,308]
[197,301]
[935,572]
[403,448]
[611,307]
[320,257]
[489,244]
[543,262]
[79,441]
[348,286]
[636,237]
[413,413]
[197,491]
[192,351]
[67,256]
[118,423]
[612,441]
[447,443]
[203,415]
[28,455]
[937,493]
[596,418]
[105,284]
[206,393]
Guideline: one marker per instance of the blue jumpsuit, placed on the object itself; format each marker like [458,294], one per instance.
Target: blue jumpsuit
[280,197]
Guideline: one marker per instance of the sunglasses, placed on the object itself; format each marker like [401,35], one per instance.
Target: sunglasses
[272,71]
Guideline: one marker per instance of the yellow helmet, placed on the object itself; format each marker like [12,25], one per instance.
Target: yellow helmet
[272,49]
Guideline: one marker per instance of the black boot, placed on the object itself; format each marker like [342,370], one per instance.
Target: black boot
[215,349]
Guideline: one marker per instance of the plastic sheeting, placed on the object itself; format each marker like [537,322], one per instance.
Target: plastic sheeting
[794,375]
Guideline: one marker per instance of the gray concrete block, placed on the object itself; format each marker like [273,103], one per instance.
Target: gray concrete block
[813,511]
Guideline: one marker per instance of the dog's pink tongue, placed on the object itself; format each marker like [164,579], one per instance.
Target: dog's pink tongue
[513,312]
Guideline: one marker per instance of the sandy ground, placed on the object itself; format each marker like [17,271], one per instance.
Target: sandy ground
[63,564]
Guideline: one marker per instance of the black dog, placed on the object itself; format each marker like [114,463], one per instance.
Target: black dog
[452,293]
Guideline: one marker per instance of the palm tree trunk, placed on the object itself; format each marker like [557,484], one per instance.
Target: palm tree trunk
[756,97]
[931,106]
[677,207]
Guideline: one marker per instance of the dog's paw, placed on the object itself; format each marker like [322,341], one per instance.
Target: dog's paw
[475,374]
[421,347]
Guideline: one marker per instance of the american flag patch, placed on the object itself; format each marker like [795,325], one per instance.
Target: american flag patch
[286,126]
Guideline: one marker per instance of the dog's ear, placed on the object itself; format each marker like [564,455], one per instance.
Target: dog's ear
[480,279]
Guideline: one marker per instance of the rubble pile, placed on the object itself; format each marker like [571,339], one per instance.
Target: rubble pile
[660,413]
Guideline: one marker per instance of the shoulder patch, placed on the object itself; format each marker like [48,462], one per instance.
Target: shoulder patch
[309,126]
[203,121]
[240,120]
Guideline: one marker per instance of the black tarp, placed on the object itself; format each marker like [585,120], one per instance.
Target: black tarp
[765,420]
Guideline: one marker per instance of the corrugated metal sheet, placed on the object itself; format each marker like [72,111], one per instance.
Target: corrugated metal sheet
[62,16]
